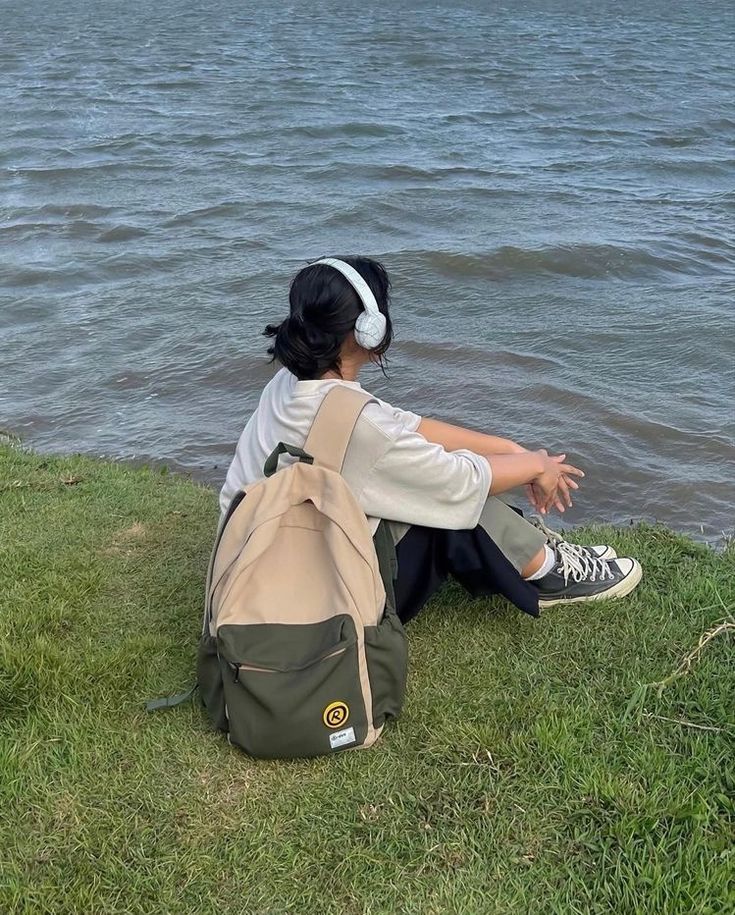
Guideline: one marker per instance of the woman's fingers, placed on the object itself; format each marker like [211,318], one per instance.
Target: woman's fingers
[560,495]
[570,469]
[532,497]
[555,503]
[545,495]
[563,490]
[566,468]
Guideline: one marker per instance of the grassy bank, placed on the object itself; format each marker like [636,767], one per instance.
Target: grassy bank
[514,782]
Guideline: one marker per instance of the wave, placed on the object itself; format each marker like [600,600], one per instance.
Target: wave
[677,141]
[585,261]
[227,208]
[68,211]
[350,129]
[53,173]
[71,228]
[20,277]
[451,356]
[122,233]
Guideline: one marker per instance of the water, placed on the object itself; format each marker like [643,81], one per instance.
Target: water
[551,186]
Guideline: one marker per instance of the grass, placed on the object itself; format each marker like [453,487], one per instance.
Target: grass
[530,772]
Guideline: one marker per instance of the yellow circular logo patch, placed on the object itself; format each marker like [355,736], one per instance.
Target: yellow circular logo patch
[336,714]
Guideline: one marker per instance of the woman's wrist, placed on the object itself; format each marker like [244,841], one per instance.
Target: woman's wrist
[542,464]
[511,470]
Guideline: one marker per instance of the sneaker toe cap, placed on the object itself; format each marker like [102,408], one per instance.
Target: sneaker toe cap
[603,552]
[628,566]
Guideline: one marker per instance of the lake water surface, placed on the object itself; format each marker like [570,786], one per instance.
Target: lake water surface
[551,186]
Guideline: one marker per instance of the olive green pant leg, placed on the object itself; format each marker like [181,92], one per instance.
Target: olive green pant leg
[516,539]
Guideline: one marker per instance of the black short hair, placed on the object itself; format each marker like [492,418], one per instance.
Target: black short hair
[323,310]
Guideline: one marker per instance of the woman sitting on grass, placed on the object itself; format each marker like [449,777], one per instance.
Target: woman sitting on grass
[436,483]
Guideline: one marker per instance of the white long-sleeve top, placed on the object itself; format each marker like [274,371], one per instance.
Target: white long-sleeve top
[393,471]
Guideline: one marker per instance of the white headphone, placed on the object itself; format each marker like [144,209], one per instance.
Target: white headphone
[371,325]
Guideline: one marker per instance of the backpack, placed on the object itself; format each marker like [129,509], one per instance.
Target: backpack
[302,652]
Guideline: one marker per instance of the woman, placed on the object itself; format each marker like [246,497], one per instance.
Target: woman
[436,483]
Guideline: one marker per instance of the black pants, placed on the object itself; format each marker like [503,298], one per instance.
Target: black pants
[427,557]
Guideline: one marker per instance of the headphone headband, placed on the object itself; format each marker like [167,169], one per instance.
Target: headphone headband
[362,289]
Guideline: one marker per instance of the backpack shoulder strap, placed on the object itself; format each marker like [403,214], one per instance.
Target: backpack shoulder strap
[334,423]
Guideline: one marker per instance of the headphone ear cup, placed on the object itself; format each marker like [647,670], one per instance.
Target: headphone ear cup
[370,329]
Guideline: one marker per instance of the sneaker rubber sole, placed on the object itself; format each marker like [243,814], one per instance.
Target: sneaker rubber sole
[620,589]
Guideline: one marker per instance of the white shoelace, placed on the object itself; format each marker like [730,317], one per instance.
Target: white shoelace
[557,540]
[580,566]
[553,537]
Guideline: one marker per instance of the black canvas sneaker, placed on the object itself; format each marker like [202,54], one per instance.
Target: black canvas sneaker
[578,577]
[556,540]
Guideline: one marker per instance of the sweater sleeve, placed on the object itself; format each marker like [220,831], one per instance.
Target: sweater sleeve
[404,418]
[418,482]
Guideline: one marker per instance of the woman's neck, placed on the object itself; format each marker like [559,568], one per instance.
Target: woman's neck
[349,369]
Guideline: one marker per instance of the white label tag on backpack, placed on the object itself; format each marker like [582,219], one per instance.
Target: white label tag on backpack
[342,738]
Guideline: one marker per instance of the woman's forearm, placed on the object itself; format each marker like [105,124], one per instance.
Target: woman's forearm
[454,438]
[510,463]
[511,470]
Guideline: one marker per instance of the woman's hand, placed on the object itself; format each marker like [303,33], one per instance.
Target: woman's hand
[548,478]
[536,497]
[551,488]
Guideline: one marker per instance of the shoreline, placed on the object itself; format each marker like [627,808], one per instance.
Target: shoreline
[716,542]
